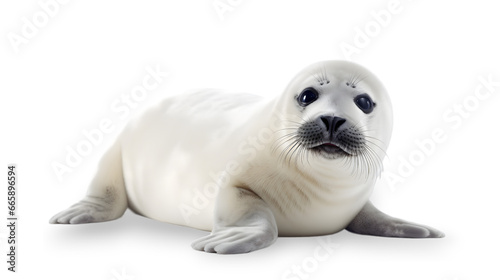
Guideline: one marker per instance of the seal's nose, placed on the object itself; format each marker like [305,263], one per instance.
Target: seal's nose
[332,123]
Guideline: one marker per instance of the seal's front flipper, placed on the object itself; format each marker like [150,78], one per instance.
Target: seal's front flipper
[106,198]
[371,221]
[243,223]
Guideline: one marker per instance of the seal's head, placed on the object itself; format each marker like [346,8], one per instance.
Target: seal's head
[341,113]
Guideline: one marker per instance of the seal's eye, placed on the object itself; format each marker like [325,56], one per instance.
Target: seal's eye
[364,102]
[307,96]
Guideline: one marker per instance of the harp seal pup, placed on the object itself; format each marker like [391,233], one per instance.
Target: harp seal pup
[250,168]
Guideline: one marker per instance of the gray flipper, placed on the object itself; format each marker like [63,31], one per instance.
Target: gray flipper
[106,197]
[243,223]
[371,221]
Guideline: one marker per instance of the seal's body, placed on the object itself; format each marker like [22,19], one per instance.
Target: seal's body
[172,174]
[249,168]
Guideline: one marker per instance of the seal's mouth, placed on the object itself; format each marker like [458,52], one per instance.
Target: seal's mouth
[331,149]
[329,145]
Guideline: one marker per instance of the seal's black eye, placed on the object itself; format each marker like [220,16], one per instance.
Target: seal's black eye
[364,102]
[307,96]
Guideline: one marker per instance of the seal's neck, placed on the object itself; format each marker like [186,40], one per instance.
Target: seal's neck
[336,173]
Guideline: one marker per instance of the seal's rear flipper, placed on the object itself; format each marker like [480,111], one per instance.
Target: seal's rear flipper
[106,198]
[371,221]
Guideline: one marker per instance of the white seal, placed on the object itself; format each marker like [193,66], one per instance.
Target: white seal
[249,168]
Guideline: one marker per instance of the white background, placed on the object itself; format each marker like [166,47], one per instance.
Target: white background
[429,55]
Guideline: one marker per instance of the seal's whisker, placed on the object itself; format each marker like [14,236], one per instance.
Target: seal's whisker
[287,135]
[274,150]
[374,138]
[307,156]
[290,121]
[282,142]
[361,127]
[300,154]
[377,146]
[284,153]
[299,123]
[293,150]
[286,128]
[376,161]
